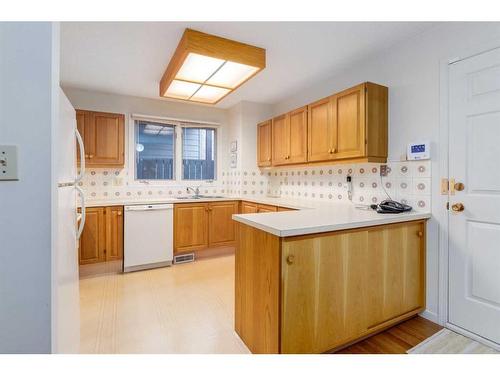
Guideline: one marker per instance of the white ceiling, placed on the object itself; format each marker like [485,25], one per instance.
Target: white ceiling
[130,57]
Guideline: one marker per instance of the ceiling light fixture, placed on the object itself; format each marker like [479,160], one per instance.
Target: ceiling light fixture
[205,68]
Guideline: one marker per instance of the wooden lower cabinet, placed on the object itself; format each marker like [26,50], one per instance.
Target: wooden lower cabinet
[316,293]
[198,226]
[266,208]
[222,227]
[190,227]
[249,208]
[102,237]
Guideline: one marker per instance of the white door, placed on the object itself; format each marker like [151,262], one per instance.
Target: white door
[474,160]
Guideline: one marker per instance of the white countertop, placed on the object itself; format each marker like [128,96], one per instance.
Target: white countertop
[323,218]
[310,217]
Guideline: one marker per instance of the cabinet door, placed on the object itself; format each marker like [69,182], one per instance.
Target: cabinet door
[190,226]
[222,227]
[383,267]
[319,132]
[281,140]
[266,208]
[106,139]
[264,141]
[248,208]
[93,240]
[297,136]
[114,233]
[285,209]
[349,123]
[396,272]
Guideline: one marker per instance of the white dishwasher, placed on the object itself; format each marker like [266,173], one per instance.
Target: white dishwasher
[148,237]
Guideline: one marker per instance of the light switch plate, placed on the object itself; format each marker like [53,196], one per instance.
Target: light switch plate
[8,163]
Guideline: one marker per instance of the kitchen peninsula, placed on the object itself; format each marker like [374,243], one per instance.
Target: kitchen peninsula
[315,280]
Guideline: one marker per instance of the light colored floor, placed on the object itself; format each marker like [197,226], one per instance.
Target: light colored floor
[187,308]
[449,342]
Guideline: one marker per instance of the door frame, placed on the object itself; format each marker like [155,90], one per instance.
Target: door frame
[442,213]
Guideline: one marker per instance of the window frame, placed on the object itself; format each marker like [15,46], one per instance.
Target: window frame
[178,124]
[215,150]
[134,143]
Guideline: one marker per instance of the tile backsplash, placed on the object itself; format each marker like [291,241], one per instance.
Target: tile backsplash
[408,182]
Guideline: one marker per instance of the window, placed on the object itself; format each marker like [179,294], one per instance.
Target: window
[198,153]
[154,151]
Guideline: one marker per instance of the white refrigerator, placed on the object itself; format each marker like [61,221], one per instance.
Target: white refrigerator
[68,225]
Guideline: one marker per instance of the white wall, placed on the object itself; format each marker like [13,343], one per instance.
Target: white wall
[27,80]
[242,119]
[98,101]
[412,73]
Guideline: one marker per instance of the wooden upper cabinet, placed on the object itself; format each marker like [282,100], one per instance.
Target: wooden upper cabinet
[320,130]
[348,124]
[264,144]
[280,136]
[190,226]
[104,138]
[222,227]
[297,136]
[114,233]
[289,134]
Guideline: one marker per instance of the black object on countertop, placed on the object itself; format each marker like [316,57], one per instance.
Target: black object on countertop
[391,207]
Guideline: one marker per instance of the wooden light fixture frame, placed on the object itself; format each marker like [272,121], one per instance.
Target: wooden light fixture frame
[193,41]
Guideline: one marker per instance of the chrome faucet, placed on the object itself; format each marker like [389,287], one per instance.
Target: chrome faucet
[195,190]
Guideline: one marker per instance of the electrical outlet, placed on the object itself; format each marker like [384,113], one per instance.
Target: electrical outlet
[383,170]
[8,163]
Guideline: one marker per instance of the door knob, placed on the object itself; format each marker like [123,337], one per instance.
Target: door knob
[290,259]
[458,207]
[459,186]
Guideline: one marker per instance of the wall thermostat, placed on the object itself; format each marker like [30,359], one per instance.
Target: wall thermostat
[419,151]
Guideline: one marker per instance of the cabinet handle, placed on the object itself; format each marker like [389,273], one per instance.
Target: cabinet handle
[119,213]
[91,156]
[420,233]
[268,159]
[86,156]
[290,259]
[334,150]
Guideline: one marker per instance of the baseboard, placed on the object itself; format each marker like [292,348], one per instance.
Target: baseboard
[429,315]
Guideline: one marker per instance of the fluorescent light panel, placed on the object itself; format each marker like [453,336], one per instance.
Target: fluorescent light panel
[232,74]
[198,68]
[206,79]
[209,94]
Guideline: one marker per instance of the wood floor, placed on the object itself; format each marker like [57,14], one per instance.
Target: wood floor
[189,308]
[396,340]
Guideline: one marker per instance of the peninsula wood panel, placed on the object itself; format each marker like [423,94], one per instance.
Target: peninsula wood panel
[222,227]
[280,137]
[384,267]
[114,233]
[190,226]
[297,136]
[257,279]
[264,144]
[92,244]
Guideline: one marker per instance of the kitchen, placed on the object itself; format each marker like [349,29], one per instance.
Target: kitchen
[220,212]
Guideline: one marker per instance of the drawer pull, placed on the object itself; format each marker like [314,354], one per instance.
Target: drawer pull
[290,259]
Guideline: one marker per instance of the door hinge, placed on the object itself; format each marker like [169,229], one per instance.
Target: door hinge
[447,205]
